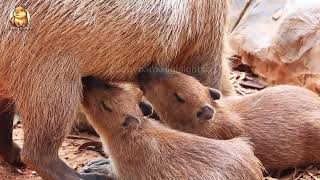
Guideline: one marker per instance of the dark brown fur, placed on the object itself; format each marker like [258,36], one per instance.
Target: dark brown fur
[141,148]
[41,64]
[9,149]
[282,121]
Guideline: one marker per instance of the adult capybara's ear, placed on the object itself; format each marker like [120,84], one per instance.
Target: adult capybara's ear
[131,122]
[146,108]
[215,94]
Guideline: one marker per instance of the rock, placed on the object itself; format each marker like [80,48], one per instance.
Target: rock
[279,40]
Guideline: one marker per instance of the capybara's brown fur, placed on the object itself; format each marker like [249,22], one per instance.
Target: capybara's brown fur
[283,121]
[140,148]
[41,65]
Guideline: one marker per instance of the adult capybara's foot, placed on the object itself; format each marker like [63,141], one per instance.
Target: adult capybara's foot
[11,154]
[51,168]
[99,169]
[94,176]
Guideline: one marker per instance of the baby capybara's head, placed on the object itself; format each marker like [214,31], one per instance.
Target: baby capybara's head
[113,107]
[180,100]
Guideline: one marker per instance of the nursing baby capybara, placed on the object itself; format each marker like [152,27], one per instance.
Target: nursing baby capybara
[41,64]
[283,121]
[140,148]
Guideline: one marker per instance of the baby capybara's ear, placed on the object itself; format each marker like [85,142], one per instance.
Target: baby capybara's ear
[215,94]
[146,108]
[91,82]
[131,122]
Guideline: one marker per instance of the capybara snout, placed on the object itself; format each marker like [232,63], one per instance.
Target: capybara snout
[131,122]
[205,113]
[146,108]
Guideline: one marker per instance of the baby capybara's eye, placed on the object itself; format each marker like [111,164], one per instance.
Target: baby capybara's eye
[105,107]
[179,98]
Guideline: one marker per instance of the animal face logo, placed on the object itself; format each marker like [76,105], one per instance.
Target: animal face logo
[19,17]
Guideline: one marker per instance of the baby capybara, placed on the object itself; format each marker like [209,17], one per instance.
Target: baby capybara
[283,121]
[140,148]
[42,62]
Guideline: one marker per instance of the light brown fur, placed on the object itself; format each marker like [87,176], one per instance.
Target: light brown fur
[41,64]
[283,121]
[145,149]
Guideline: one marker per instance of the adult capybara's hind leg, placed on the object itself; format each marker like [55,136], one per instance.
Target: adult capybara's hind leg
[227,87]
[216,76]
[214,70]
[211,70]
[48,97]
[9,150]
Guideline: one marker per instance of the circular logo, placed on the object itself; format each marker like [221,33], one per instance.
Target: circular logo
[19,17]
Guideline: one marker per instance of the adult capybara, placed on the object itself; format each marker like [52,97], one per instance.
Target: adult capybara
[140,148]
[283,121]
[41,64]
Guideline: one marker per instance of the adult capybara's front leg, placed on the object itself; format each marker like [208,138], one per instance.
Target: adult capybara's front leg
[48,96]
[9,150]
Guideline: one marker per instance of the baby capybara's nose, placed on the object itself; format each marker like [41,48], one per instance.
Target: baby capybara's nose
[205,113]
[150,74]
